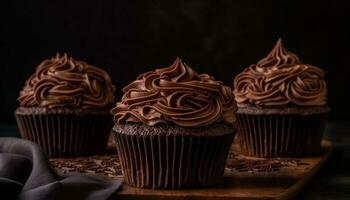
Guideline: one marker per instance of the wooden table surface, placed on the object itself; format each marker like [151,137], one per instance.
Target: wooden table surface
[332,182]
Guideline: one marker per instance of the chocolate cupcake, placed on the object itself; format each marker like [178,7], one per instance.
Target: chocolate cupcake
[282,107]
[65,107]
[174,128]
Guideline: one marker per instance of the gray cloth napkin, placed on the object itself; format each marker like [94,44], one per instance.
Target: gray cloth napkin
[26,174]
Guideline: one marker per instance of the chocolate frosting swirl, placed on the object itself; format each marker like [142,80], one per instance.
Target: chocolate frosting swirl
[178,95]
[65,82]
[280,79]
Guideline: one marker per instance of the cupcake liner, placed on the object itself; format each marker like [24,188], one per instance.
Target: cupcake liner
[66,135]
[174,162]
[281,135]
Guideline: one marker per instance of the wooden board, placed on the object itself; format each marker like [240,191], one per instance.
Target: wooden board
[245,178]
[248,183]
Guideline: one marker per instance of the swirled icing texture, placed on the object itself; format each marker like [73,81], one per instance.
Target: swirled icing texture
[65,82]
[280,80]
[175,95]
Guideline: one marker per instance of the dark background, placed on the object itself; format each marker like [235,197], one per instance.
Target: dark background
[126,38]
[221,37]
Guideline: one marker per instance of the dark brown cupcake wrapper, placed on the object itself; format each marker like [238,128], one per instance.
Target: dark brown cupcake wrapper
[66,135]
[281,135]
[172,161]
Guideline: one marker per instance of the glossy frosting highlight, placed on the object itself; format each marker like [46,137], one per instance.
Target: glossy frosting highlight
[65,82]
[178,95]
[280,80]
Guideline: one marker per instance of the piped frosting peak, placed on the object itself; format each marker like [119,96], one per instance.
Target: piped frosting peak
[177,95]
[65,82]
[280,79]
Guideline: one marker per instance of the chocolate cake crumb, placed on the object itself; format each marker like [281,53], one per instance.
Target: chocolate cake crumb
[214,129]
[251,110]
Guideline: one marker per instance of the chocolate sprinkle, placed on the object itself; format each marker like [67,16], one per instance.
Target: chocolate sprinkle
[109,165]
[238,163]
[106,165]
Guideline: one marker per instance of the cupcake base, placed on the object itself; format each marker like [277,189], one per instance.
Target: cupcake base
[65,133]
[281,133]
[172,161]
